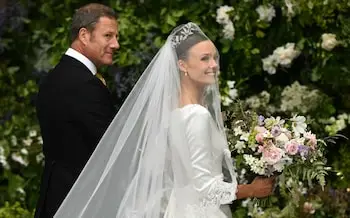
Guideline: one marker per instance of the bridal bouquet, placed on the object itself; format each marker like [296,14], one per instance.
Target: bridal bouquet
[272,145]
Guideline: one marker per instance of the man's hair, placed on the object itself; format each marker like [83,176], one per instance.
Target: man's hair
[87,17]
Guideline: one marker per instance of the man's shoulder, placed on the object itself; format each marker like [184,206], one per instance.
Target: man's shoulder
[69,69]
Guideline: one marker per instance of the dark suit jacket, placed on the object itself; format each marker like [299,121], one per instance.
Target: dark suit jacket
[74,109]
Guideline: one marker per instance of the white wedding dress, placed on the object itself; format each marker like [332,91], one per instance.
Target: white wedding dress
[204,150]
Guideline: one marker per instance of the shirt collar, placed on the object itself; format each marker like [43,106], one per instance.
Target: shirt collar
[84,60]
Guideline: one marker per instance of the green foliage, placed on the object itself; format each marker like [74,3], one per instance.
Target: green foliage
[14,211]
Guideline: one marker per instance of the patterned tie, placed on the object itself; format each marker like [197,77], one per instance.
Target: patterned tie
[100,77]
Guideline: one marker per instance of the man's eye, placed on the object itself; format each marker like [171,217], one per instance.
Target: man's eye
[108,35]
[205,58]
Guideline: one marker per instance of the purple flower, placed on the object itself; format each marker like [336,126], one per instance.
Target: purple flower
[261,120]
[275,131]
[303,150]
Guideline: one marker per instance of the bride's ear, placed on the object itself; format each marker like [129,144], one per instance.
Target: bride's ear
[182,66]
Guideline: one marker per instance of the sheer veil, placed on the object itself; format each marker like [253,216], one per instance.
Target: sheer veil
[134,170]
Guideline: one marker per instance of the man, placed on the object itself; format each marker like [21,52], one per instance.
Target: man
[74,106]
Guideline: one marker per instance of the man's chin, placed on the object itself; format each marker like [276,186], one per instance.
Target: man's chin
[107,62]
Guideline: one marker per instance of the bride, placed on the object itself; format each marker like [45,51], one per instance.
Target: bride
[165,153]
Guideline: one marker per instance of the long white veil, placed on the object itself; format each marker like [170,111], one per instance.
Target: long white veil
[133,170]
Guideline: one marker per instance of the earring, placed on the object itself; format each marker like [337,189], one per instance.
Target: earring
[186,74]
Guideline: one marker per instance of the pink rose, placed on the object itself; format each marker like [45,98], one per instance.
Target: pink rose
[259,138]
[272,155]
[292,147]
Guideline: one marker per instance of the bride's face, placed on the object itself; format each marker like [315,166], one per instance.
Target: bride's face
[201,63]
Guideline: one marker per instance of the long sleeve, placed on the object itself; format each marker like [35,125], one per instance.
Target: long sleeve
[208,182]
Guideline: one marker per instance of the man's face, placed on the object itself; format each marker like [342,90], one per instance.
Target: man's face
[102,42]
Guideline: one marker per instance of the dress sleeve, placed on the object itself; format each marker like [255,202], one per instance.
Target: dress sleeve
[199,134]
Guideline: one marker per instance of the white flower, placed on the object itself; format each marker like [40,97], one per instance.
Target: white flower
[290,11]
[18,158]
[245,202]
[231,84]
[40,157]
[3,161]
[244,136]
[329,41]
[340,124]
[14,140]
[285,54]
[298,125]
[229,30]
[32,133]
[289,182]
[282,139]
[221,14]
[226,101]
[24,151]
[256,165]
[233,93]
[279,167]
[253,102]
[342,116]
[27,141]
[40,140]
[272,121]
[21,190]
[270,64]
[238,131]
[239,146]
[266,13]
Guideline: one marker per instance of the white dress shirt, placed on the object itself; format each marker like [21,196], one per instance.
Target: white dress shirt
[84,60]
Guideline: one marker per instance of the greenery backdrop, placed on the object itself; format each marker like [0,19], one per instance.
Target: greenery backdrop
[279,57]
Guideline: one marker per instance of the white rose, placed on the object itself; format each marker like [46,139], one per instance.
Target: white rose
[286,54]
[329,41]
[266,13]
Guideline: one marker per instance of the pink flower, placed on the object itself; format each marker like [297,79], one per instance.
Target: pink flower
[312,139]
[259,138]
[292,147]
[261,148]
[272,155]
[260,129]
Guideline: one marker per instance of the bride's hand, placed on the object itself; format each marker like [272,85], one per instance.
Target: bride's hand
[262,187]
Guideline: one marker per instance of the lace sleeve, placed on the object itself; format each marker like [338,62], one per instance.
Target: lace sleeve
[209,184]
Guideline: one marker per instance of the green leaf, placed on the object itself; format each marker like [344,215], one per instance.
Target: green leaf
[170,20]
[260,34]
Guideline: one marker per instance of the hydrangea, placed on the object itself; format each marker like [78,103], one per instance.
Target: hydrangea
[295,96]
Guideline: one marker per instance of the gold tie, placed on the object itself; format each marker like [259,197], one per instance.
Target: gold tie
[100,77]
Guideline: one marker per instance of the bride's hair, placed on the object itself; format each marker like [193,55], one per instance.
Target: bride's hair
[184,46]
